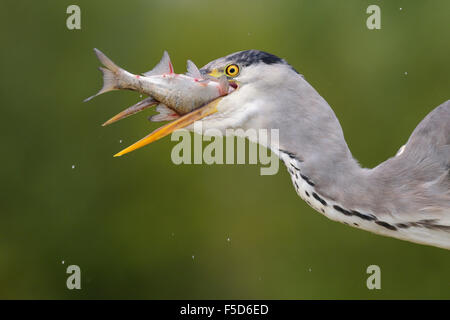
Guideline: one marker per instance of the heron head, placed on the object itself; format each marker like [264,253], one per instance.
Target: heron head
[258,78]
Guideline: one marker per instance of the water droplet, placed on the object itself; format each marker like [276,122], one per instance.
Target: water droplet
[406,73]
[401,9]
[228,239]
[193,257]
[73,166]
[310,270]
[120,141]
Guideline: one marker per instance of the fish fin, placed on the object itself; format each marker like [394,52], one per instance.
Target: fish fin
[223,85]
[107,62]
[163,109]
[110,83]
[110,74]
[164,66]
[165,114]
[192,70]
[141,105]
[163,117]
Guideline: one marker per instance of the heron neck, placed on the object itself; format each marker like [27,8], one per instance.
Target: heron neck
[313,136]
[338,179]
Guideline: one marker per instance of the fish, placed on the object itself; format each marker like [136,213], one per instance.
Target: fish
[173,94]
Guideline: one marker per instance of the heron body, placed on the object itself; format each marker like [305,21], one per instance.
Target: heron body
[406,197]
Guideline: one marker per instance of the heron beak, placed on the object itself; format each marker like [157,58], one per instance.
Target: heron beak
[141,105]
[215,73]
[179,123]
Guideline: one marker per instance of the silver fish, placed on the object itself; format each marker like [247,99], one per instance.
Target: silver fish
[175,94]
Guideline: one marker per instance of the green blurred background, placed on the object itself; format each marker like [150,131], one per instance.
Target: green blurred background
[134,223]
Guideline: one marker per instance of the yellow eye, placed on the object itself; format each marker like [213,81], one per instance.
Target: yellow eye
[232,70]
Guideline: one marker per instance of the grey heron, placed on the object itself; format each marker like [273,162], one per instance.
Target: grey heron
[405,197]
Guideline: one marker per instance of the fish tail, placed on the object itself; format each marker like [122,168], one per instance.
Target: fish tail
[111,74]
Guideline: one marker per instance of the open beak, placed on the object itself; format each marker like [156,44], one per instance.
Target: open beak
[179,123]
[141,105]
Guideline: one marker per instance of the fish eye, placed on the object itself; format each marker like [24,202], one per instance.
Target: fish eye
[232,70]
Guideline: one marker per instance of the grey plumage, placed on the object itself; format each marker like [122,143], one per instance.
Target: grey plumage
[407,196]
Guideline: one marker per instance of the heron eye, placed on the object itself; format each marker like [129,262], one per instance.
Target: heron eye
[232,70]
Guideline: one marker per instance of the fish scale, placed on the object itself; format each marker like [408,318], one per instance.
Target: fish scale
[177,92]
